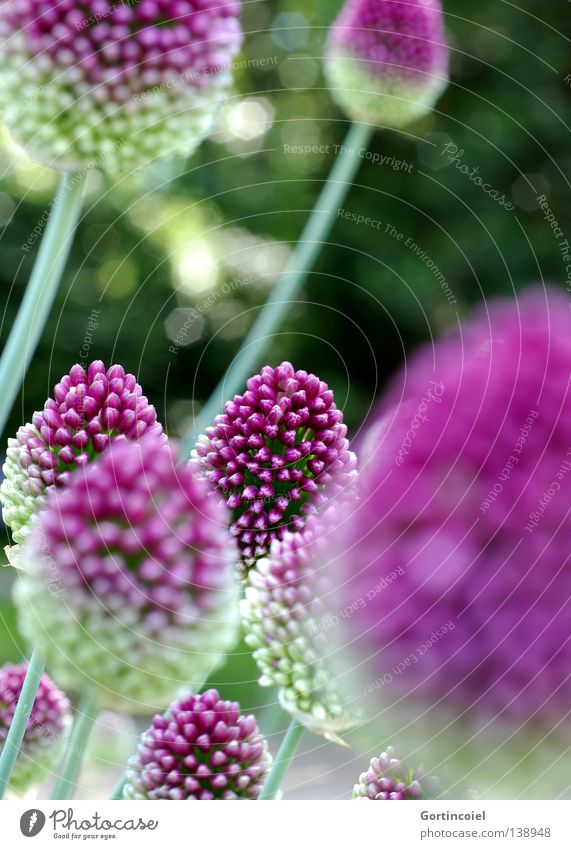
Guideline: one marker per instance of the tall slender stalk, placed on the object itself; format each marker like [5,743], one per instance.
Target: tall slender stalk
[283,759]
[283,295]
[18,351]
[19,722]
[284,292]
[65,785]
[40,291]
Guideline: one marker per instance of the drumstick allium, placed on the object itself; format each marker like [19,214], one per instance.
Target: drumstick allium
[114,85]
[277,453]
[89,409]
[386,61]
[465,520]
[202,748]
[388,779]
[290,620]
[127,579]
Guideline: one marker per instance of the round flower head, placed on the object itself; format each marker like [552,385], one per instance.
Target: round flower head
[89,410]
[289,624]
[388,779]
[277,453]
[386,61]
[126,578]
[202,748]
[465,519]
[114,85]
[46,732]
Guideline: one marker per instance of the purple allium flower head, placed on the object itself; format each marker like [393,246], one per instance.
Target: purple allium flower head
[202,748]
[289,617]
[387,60]
[46,731]
[461,544]
[87,83]
[127,578]
[89,410]
[278,452]
[388,779]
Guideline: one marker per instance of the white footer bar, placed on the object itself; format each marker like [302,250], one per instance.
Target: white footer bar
[289,825]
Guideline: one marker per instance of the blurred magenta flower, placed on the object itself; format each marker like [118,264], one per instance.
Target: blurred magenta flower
[202,748]
[46,731]
[289,617]
[127,578]
[388,779]
[114,85]
[459,555]
[386,61]
[277,453]
[89,410]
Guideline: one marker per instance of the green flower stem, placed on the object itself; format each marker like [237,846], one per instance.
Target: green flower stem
[20,720]
[40,291]
[18,351]
[64,787]
[285,291]
[284,757]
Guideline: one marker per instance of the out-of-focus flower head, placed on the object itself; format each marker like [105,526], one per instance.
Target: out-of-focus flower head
[202,748]
[114,85]
[127,578]
[277,454]
[47,729]
[461,542]
[386,61]
[290,619]
[388,779]
[89,410]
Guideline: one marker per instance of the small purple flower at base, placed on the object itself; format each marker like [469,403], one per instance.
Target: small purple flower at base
[277,454]
[114,84]
[201,749]
[126,579]
[388,779]
[386,61]
[46,731]
[89,410]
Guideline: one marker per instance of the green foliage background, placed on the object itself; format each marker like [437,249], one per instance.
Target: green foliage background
[236,208]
